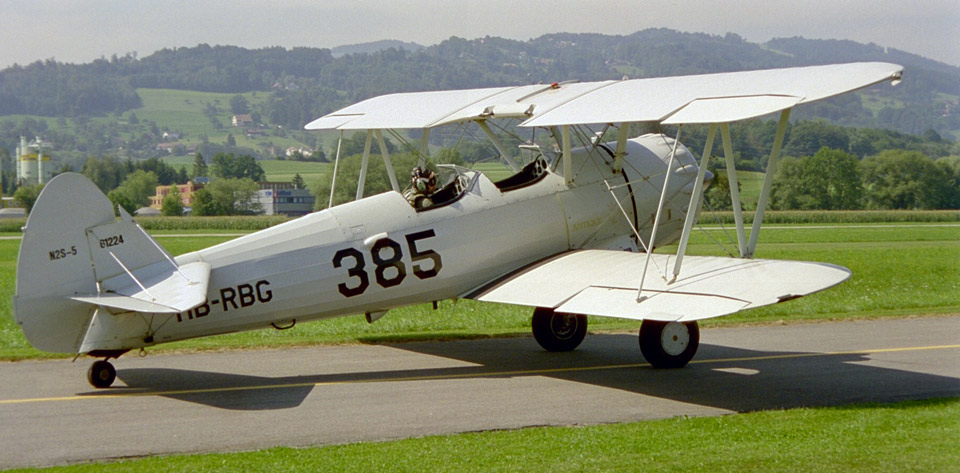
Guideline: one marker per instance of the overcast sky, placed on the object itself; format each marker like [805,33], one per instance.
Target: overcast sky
[83,30]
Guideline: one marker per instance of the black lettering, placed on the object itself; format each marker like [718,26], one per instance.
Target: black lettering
[202,310]
[264,295]
[416,255]
[356,271]
[227,295]
[246,295]
[53,255]
[391,262]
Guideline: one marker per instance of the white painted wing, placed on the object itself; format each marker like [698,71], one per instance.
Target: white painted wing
[706,98]
[604,282]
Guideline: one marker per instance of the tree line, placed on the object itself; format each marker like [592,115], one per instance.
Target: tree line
[834,179]
[129,184]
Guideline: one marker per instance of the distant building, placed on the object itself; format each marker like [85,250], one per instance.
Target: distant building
[33,162]
[291,202]
[275,185]
[186,194]
[242,120]
[306,152]
[168,147]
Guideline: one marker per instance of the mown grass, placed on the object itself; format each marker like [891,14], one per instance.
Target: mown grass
[920,436]
[897,270]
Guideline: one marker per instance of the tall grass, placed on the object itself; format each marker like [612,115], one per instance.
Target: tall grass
[259,222]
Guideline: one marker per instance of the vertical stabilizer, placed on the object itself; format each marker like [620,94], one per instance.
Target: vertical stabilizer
[81,270]
[54,263]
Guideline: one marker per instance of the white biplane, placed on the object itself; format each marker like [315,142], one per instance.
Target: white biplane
[567,234]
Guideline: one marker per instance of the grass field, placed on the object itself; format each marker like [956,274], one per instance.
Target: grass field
[183,110]
[905,437]
[285,170]
[897,270]
[275,170]
[750,184]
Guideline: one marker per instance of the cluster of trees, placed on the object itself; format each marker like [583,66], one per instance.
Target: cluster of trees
[130,184]
[232,190]
[752,141]
[227,196]
[108,172]
[893,179]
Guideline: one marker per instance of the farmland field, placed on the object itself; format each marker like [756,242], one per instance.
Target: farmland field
[898,269]
[285,170]
[275,170]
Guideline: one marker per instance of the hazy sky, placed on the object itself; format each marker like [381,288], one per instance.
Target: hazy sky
[83,30]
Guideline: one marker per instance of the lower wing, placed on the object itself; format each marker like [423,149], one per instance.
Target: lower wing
[606,283]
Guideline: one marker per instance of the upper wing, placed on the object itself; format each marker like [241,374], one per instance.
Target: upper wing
[707,98]
[604,282]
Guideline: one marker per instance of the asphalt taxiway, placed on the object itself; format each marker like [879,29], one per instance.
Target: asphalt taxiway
[252,399]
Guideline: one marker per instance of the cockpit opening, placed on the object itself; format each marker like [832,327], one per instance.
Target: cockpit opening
[429,190]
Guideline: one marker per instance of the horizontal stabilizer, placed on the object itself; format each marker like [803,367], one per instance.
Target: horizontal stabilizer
[605,283]
[165,289]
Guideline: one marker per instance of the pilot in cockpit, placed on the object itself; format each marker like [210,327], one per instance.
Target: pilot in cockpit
[424,183]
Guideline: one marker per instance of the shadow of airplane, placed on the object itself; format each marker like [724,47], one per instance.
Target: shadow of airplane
[723,377]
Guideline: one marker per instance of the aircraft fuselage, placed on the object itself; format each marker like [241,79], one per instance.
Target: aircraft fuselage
[379,253]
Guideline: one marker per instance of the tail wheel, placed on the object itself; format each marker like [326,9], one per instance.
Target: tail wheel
[556,331]
[101,374]
[669,344]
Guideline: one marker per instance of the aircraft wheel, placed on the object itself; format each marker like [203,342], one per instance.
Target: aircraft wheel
[558,331]
[101,374]
[669,344]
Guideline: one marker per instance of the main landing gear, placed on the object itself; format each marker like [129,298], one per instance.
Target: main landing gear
[663,344]
[669,344]
[557,331]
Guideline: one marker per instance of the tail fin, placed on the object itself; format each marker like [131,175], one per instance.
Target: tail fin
[78,264]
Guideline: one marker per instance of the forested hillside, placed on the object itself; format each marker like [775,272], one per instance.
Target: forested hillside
[307,82]
[186,101]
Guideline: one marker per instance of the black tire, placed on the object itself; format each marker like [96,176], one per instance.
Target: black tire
[669,344]
[558,331]
[101,374]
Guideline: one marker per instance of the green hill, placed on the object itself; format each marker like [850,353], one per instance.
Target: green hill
[123,106]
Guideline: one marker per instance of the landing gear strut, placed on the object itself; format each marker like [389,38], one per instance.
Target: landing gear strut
[101,374]
[556,331]
[669,344]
